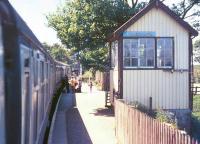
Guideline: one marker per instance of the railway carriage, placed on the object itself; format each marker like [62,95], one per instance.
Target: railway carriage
[62,70]
[28,76]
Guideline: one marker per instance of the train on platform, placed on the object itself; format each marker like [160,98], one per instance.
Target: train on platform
[28,78]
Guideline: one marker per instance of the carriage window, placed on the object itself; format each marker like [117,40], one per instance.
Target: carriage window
[139,52]
[113,53]
[164,52]
[47,95]
[35,72]
[46,70]
[42,71]
[36,112]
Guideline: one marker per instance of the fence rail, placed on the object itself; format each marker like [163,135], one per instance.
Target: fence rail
[196,90]
[135,127]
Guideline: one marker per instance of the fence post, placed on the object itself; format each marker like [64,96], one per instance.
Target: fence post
[150,104]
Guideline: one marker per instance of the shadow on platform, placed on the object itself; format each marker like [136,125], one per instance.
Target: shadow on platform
[76,130]
[108,112]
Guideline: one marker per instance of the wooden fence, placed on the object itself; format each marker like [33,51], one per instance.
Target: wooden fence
[135,127]
[196,90]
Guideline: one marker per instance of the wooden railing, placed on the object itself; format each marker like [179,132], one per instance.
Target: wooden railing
[135,127]
[196,90]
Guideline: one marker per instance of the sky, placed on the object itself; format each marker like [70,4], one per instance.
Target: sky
[33,12]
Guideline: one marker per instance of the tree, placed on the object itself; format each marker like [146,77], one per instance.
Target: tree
[86,23]
[58,52]
[95,60]
[197,51]
[83,25]
[188,10]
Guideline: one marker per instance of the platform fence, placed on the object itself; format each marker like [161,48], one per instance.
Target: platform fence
[135,127]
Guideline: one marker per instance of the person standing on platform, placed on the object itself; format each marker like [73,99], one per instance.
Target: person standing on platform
[90,85]
[73,84]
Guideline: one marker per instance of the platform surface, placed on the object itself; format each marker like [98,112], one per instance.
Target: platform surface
[90,122]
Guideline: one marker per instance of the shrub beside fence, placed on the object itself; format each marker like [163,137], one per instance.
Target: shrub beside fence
[135,127]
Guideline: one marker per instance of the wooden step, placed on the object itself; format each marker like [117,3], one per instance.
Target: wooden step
[107,99]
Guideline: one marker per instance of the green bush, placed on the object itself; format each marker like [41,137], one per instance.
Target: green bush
[196,125]
[161,115]
[196,117]
[166,117]
[196,103]
[54,102]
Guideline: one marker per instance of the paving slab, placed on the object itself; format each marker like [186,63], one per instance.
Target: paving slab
[90,122]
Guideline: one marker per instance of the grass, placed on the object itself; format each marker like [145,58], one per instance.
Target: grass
[52,110]
[196,117]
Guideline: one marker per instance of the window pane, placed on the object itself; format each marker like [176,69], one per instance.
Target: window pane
[139,52]
[127,52]
[134,52]
[41,71]
[142,61]
[130,51]
[168,62]
[134,62]
[35,72]
[150,62]
[127,62]
[164,52]
[147,52]
[134,48]
[150,43]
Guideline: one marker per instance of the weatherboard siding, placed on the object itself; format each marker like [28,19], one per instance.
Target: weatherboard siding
[169,90]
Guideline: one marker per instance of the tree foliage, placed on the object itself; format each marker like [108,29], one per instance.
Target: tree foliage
[188,10]
[83,25]
[86,23]
[197,51]
[58,52]
[96,59]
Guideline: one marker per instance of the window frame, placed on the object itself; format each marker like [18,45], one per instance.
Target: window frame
[140,67]
[155,56]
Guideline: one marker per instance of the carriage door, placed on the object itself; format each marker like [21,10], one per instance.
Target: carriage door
[2,95]
[25,100]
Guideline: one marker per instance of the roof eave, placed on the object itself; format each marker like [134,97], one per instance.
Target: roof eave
[154,4]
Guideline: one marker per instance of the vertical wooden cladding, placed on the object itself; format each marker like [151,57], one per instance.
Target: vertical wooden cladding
[168,90]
